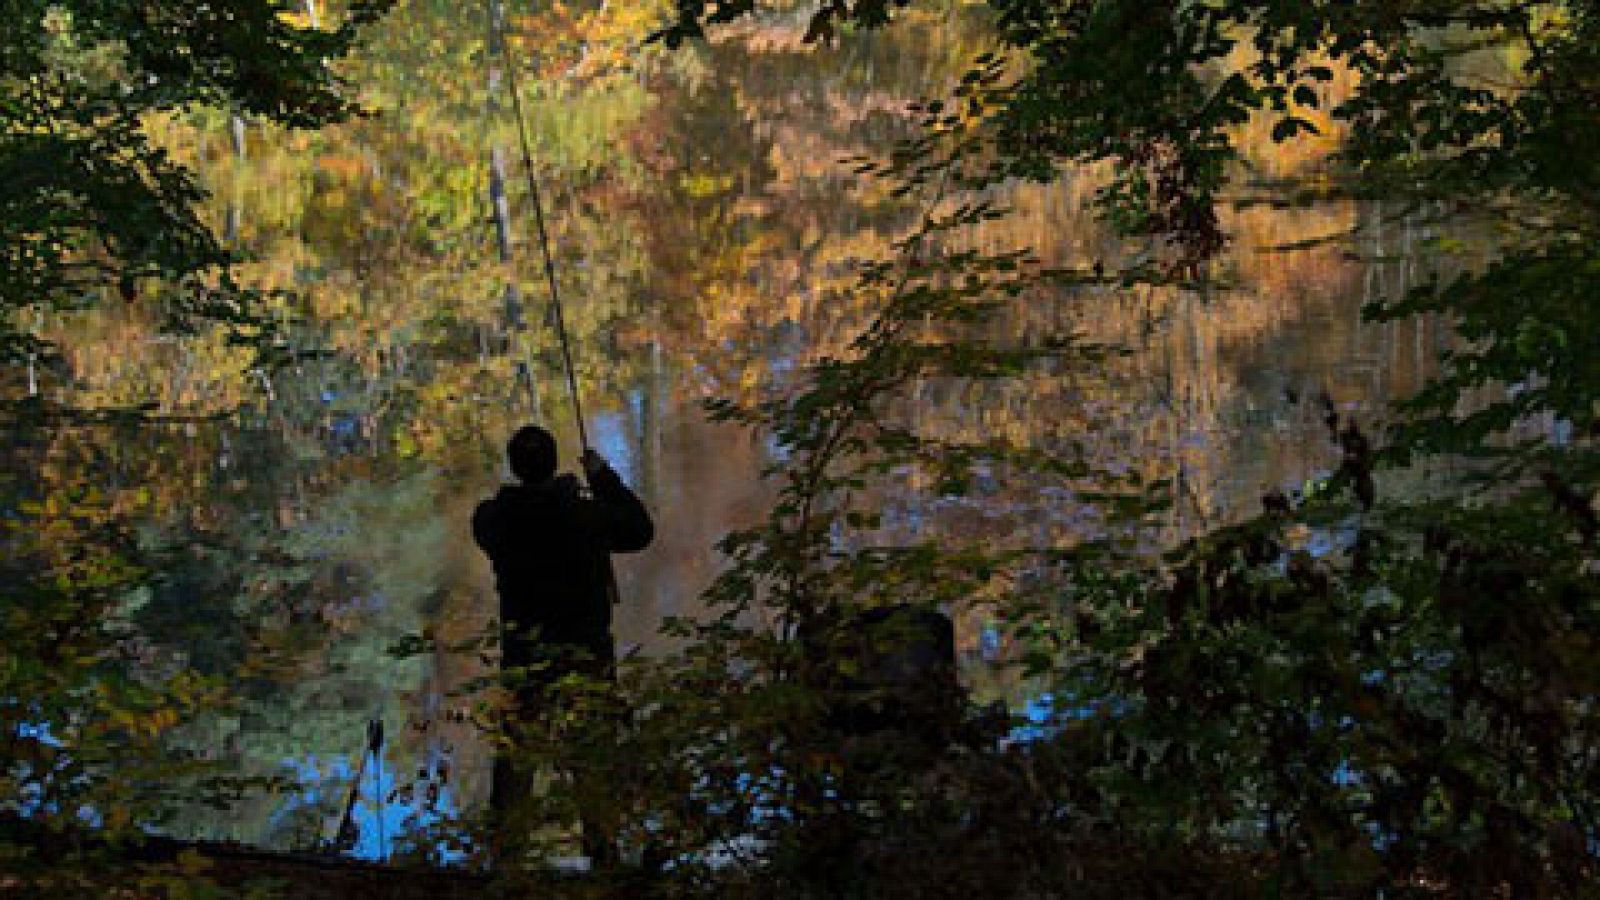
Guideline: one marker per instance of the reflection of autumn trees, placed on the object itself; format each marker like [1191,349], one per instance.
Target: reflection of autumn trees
[1216,388]
[1175,404]
[1215,393]
[707,239]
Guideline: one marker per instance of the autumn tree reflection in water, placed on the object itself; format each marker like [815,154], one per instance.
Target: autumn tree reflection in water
[707,233]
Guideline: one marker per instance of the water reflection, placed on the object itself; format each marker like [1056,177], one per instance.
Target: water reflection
[703,229]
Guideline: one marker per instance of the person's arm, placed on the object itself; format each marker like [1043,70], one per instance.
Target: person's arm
[624,520]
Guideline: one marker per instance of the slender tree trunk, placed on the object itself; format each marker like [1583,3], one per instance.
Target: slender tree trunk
[499,200]
[654,424]
[238,132]
[501,204]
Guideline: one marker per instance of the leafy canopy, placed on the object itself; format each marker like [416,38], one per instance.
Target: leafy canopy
[94,210]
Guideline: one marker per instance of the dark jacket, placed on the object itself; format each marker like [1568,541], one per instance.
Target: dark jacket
[550,549]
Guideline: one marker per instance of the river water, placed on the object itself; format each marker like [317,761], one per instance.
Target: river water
[702,222]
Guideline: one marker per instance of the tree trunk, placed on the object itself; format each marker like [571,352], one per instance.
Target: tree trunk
[497,197]
[238,132]
[499,200]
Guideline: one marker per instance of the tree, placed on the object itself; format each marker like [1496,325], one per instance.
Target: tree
[95,210]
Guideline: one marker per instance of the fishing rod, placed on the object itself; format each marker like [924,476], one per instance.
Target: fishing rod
[495,12]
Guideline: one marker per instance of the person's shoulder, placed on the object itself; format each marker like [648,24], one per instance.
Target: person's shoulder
[498,504]
[495,500]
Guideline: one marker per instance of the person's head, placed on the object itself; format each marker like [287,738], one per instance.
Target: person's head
[532,452]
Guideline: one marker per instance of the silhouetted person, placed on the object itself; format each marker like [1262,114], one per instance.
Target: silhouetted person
[550,546]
